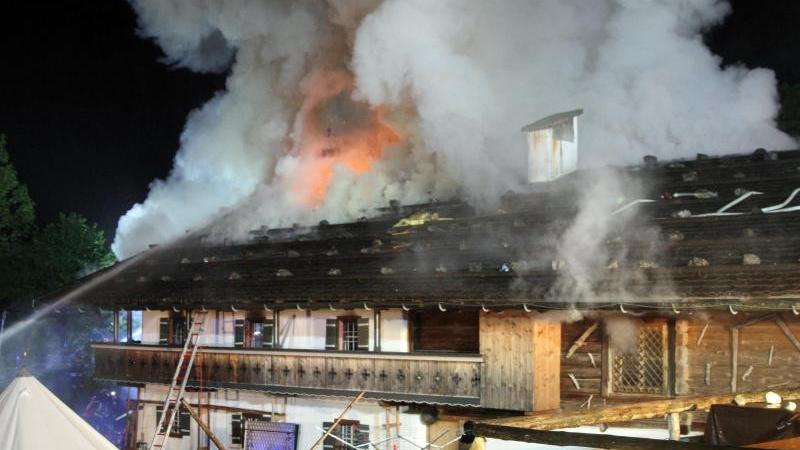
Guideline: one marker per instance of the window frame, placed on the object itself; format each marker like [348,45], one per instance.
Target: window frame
[607,385]
[181,423]
[347,340]
[336,337]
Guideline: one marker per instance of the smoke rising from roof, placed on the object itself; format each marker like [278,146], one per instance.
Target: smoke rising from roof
[455,79]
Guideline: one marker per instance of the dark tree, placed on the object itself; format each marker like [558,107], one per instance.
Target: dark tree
[68,249]
[16,206]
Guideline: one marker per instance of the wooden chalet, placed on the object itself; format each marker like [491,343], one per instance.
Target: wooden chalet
[454,314]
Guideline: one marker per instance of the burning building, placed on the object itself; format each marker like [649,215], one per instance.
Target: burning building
[535,287]
[436,315]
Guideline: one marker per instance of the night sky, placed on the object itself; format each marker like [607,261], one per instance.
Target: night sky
[92,117]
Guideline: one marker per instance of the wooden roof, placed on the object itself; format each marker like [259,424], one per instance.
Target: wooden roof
[459,262]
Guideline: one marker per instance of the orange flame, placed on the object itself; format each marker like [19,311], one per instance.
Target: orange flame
[320,149]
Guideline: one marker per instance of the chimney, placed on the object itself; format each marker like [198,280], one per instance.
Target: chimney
[552,146]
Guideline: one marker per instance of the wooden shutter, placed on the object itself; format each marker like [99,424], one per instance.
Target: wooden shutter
[362,436]
[236,429]
[184,421]
[329,442]
[267,331]
[238,333]
[163,331]
[363,334]
[331,334]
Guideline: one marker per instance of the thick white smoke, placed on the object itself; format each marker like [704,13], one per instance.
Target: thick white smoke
[455,78]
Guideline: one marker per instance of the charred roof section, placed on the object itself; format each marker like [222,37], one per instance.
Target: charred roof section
[702,240]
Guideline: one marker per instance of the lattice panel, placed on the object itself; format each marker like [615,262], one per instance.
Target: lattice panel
[641,371]
[263,435]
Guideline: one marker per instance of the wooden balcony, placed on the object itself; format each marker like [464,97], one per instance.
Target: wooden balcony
[414,377]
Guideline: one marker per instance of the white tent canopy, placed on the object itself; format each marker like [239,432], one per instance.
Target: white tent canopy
[32,418]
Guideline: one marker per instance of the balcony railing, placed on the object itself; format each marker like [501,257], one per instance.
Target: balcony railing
[415,377]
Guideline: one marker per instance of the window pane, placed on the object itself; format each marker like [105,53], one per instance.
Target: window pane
[350,335]
[258,335]
[137,326]
[123,325]
[346,433]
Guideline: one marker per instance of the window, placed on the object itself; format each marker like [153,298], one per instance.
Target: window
[643,368]
[129,326]
[350,333]
[253,333]
[349,431]
[346,433]
[180,424]
[136,326]
[349,336]
[172,330]
[236,429]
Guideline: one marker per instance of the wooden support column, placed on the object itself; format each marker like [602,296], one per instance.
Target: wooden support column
[276,328]
[734,358]
[674,426]
[116,325]
[562,438]
[129,326]
[376,320]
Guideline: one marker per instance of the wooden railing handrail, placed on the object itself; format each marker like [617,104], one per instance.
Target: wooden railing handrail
[418,356]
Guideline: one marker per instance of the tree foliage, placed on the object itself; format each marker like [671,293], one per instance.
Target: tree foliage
[16,206]
[67,249]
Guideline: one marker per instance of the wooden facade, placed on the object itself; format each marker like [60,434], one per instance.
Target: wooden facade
[517,368]
[521,361]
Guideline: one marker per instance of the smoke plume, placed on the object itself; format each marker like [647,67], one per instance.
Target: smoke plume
[332,108]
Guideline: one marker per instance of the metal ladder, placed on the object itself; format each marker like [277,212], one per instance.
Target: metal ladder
[178,387]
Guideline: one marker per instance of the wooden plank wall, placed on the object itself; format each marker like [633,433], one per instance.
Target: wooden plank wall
[546,365]
[589,377]
[454,331]
[520,355]
[754,347]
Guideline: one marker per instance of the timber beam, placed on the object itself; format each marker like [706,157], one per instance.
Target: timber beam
[628,412]
[563,438]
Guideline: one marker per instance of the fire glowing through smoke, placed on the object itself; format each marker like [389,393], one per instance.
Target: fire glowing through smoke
[330,131]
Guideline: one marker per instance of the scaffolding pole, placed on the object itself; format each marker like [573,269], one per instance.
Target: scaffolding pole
[202,424]
[338,419]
